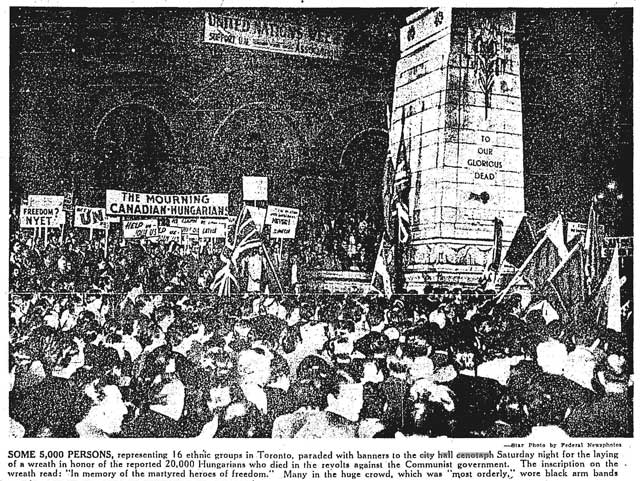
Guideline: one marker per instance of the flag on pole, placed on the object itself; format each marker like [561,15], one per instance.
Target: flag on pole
[241,238]
[388,196]
[547,255]
[381,280]
[401,186]
[592,247]
[606,304]
[567,284]
[495,256]
[522,244]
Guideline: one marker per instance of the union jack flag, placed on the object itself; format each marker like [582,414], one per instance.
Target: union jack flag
[401,190]
[242,237]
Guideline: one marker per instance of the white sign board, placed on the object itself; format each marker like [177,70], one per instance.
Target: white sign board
[207,228]
[140,229]
[46,201]
[580,228]
[167,205]
[90,217]
[41,216]
[254,188]
[169,234]
[213,229]
[283,220]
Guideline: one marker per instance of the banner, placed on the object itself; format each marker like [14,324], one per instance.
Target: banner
[167,205]
[140,229]
[41,216]
[254,188]
[90,217]
[261,34]
[169,234]
[283,220]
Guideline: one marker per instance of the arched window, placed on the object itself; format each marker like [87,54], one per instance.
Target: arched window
[133,143]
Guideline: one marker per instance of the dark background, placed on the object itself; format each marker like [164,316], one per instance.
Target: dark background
[134,99]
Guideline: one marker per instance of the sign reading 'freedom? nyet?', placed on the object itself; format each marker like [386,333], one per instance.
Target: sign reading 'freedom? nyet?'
[121,202]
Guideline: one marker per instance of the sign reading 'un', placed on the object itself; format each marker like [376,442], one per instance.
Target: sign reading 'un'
[90,217]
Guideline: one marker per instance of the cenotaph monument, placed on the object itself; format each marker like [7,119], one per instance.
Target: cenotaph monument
[457,97]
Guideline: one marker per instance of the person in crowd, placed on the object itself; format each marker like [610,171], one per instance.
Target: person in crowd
[137,334]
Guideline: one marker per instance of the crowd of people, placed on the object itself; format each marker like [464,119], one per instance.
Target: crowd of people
[346,241]
[134,345]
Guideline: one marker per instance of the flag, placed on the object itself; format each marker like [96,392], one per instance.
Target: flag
[567,284]
[522,244]
[401,185]
[546,256]
[606,304]
[241,238]
[388,196]
[494,258]
[592,247]
[381,280]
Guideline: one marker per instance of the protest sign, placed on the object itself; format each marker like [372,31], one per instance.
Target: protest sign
[46,201]
[67,204]
[166,205]
[283,221]
[41,216]
[580,228]
[254,188]
[90,217]
[169,234]
[213,229]
[206,228]
[140,229]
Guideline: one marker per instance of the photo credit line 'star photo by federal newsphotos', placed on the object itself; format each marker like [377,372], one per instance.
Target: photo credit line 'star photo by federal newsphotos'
[233,224]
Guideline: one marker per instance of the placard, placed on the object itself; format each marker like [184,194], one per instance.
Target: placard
[140,229]
[207,228]
[283,221]
[254,188]
[90,217]
[169,234]
[213,229]
[46,201]
[41,216]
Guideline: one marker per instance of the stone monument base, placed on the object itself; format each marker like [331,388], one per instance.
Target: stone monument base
[452,275]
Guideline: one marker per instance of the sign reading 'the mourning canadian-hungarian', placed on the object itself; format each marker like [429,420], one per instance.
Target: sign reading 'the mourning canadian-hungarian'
[167,205]
[262,34]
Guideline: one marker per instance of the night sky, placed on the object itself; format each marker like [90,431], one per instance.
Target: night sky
[576,68]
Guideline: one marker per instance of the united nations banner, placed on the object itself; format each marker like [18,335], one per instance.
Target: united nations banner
[280,37]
